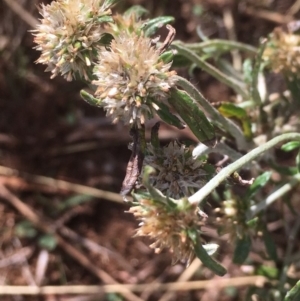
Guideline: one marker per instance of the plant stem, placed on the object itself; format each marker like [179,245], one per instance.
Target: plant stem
[225,45]
[227,171]
[228,125]
[274,196]
[236,85]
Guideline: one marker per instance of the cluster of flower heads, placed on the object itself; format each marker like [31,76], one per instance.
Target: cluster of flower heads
[283,52]
[82,38]
[178,173]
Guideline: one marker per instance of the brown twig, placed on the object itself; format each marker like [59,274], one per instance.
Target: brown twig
[259,281]
[60,185]
[267,15]
[21,12]
[185,276]
[44,225]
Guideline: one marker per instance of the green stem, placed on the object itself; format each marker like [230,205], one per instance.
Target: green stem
[228,170]
[238,86]
[288,253]
[228,125]
[274,196]
[294,292]
[225,45]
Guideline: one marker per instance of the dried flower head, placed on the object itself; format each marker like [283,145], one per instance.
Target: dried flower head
[168,223]
[178,174]
[283,52]
[69,35]
[129,75]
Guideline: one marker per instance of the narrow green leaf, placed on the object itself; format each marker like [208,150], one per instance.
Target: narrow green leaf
[74,201]
[25,229]
[90,99]
[167,56]
[269,244]
[166,116]
[231,110]
[258,183]
[180,61]
[267,271]
[151,26]
[242,249]
[256,70]
[154,136]
[207,261]
[298,161]
[284,170]
[48,242]
[290,146]
[137,10]
[252,223]
[294,293]
[189,111]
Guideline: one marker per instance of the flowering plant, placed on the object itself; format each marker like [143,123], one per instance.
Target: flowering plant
[131,75]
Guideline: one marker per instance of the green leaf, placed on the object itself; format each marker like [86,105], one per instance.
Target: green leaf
[284,170]
[151,26]
[167,56]
[298,161]
[256,70]
[269,244]
[202,254]
[290,146]
[294,293]
[166,116]
[90,99]
[252,223]
[189,111]
[74,201]
[25,229]
[137,10]
[258,183]
[267,271]
[231,110]
[48,242]
[180,61]
[242,249]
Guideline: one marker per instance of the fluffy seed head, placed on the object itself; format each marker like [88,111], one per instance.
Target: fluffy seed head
[129,75]
[69,36]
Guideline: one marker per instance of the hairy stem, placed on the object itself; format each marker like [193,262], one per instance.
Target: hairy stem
[236,85]
[228,170]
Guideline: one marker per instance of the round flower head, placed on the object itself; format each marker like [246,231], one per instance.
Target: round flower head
[177,172]
[168,224]
[129,75]
[283,52]
[69,35]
